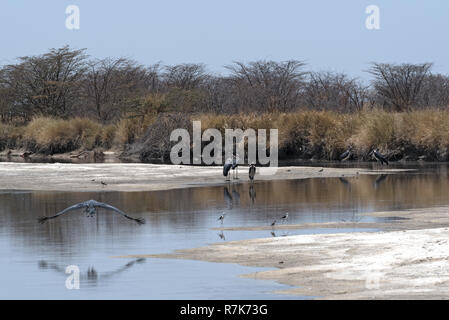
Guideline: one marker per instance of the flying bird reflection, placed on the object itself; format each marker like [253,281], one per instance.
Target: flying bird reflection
[91,276]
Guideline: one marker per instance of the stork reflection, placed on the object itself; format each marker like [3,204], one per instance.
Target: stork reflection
[91,276]
[379,180]
[252,193]
[231,199]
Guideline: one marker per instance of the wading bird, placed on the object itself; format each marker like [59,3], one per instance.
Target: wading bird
[285,217]
[221,218]
[90,210]
[346,155]
[226,167]
[380,157]
[252,171]
[234,167]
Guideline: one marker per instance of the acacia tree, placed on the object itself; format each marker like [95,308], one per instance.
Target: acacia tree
[49,83]
[334,91]
[184,85]
[185,76]
[398,86]
[434,91]
[267,85]
[110,83]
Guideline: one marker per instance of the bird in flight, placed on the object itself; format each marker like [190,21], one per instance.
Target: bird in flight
[90,208]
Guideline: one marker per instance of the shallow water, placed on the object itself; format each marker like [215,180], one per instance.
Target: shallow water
[33,257]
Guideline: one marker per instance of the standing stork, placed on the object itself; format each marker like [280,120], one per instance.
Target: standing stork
[252,171]
[346,155]
[235,165]
[380,157]
[226,167]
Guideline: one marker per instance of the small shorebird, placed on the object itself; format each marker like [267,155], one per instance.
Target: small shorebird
[273,223]
[90,210]
[221,218]
[285,217]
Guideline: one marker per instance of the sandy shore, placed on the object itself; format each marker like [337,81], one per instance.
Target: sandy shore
[410,260]
[143,177]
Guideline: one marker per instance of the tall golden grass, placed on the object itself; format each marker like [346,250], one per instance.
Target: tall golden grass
[324,134]
[50,135]
[306,134]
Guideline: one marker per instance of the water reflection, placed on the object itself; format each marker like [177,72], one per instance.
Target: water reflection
[231,198]
[379,180]
[184,218]
[91,277]
[252,193]
[308,200]
[221,235]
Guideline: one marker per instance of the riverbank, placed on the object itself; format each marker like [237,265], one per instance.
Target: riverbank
[303,134]
[411,261]
[146,177]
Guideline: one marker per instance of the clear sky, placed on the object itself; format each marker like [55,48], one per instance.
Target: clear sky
[327,34]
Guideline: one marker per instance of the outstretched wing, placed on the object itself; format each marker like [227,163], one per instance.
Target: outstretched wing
[74,207]
[109,207]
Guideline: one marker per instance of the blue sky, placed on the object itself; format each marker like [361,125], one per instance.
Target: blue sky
[327,34]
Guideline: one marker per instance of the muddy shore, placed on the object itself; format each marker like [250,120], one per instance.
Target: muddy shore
[145,177]
[410,261]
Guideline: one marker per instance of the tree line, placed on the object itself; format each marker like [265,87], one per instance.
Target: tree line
[66,83]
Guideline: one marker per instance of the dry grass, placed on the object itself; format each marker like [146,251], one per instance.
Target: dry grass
[324,135]
[9,135]
[49,135]
[302,134]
